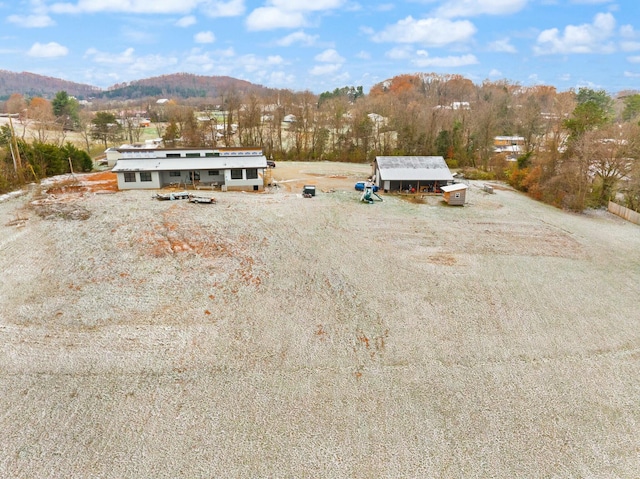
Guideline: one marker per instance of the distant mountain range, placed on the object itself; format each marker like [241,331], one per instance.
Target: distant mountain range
[177,85]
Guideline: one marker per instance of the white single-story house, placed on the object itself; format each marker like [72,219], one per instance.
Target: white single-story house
[229,169]
[419,173]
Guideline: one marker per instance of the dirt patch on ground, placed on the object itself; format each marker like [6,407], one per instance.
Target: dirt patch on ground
[270,335]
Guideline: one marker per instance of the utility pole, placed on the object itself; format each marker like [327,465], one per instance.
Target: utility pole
[15,153]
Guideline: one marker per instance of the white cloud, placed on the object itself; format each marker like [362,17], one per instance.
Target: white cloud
[269,18]
[590,2]
[329,56]
[47,50]
[186,21]
[198,61]
[225,62]
[385,7]
[534,79]
[226,53]
[364,55]
[287,13]
[151,63]
[631,74]
[367,30]
[630,46]
[31,21]
[137,35]
[399,53]
[306,6]
[428,32]
[495,73]
[252,63]
[124,58]
[627,31]
[424,60]
[212,8]
[126,6]
[232,8]
[204,37]
[280,79]
[331,60]
[469,8]
[634,59]
[325,69]
[129,65]
[503,45]
[587,38]
[297,38]
[631,38]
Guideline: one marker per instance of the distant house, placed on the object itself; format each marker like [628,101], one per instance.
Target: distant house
[455,194]
[513,146]
[460,105]
[113,154]
[229,169]
[455,105]
[420,173]
[376,119]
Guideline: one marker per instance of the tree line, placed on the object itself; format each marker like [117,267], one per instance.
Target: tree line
[579,148]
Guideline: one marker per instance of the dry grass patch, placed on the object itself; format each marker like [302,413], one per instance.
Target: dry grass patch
[275,336]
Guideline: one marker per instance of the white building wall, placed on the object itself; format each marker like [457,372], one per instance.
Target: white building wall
[244,183]
[137,184]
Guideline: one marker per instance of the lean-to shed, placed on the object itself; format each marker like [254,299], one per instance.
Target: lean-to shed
[420,173]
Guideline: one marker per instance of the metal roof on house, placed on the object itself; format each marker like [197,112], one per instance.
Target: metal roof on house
[190,164]
[416,168]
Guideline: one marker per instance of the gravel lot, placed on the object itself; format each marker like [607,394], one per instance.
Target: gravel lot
[274,336]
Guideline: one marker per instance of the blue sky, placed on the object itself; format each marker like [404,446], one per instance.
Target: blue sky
[321,45]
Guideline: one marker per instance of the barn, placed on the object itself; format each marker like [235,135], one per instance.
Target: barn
[228,170]
[425,174]
[455,194]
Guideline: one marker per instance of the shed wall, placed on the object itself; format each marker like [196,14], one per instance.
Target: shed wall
[455,198]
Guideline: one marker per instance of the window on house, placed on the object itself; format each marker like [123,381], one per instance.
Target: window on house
[129,177]
[174,173]
[252,173]
[193,155]
[173,155]
[209,154]
[214,172]
[145,176]
[194,176]
[236,174]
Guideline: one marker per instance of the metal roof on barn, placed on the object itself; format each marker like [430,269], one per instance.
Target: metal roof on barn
[415,168]
[190,164]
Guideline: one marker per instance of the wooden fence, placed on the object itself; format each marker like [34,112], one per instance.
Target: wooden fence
[625,213]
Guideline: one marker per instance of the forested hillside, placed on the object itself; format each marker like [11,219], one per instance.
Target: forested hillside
[177,85]
[180,85]
[32,85]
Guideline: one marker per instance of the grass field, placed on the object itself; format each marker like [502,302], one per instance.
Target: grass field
[273,336]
